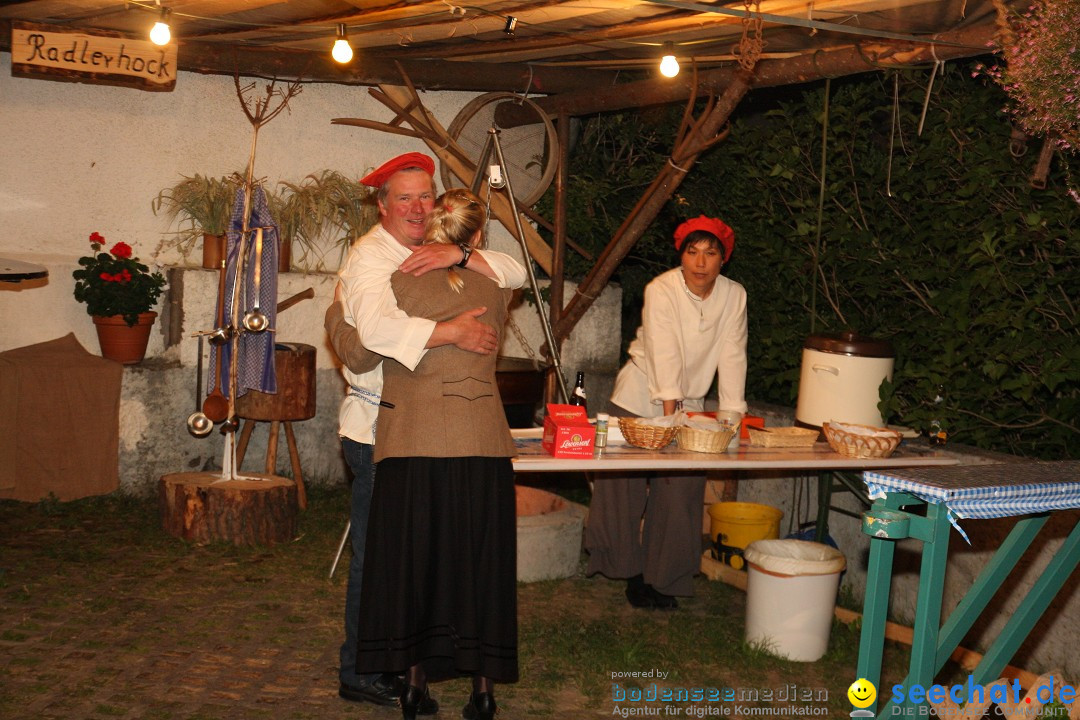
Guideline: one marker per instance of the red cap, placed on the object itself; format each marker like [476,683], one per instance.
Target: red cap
[717,227]
[378,177]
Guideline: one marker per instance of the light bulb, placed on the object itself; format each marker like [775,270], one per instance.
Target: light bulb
[342,51]
[669,66]
[160,33]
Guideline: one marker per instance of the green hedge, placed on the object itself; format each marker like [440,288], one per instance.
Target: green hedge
[953,257]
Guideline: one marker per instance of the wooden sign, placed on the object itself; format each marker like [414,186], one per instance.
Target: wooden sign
[99,57]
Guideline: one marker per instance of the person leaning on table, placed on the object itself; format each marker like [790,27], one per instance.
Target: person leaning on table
[693,327]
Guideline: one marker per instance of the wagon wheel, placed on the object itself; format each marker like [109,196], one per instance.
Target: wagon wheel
[530,151]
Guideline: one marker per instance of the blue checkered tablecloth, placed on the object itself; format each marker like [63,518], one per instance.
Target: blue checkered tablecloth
[985,491]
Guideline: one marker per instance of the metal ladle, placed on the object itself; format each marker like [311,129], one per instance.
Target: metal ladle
[255,320]
[197,423]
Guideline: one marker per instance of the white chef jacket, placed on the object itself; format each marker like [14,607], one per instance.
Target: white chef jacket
[682,342]
[384,328]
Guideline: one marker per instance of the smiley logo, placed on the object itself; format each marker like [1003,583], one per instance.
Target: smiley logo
[862,693]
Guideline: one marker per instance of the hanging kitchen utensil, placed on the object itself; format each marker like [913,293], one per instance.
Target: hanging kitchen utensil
[254,319]
[197,423]
[216,405]
[221,334]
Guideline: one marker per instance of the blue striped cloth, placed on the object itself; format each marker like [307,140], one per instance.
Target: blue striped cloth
[986,491]
[255,370]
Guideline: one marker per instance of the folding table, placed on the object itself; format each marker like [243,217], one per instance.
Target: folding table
[1032,489]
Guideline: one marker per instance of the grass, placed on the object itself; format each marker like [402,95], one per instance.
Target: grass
[98,596]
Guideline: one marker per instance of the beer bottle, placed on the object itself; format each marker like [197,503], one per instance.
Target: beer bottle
[938,433]
[577,396]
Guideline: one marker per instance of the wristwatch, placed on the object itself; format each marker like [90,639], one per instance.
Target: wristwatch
[466,253]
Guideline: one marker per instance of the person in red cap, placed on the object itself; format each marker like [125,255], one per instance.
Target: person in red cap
[693,329]
[406,196]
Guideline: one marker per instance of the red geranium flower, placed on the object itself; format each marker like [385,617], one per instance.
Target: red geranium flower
[96,237]
[106,277]
[124,276]
[121,250]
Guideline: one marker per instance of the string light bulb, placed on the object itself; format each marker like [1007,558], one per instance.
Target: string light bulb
[342,51]
[669,66]
[160,34]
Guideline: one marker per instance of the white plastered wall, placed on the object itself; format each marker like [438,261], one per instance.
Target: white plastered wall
[77,158]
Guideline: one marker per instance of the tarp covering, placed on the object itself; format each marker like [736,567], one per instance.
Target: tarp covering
[59,422]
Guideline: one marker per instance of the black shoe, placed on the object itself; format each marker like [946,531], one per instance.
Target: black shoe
[385,690]
[637,592]
[479,707]
[661,601]
[410,702]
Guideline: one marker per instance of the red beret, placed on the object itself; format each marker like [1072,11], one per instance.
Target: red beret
[378,177]
[715,226]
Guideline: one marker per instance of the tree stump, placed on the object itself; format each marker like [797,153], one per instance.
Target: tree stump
[201,507]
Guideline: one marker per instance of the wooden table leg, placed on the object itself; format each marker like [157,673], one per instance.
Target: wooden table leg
[271,448]
[294,456]
[242,443]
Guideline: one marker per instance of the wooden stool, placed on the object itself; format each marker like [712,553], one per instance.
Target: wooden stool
[294,401]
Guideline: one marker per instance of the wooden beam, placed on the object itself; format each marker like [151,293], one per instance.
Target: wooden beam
[836,62]
[211,58]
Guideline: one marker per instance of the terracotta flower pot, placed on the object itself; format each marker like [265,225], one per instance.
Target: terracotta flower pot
[121,343]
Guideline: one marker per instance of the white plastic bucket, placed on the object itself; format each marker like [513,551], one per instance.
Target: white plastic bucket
[791,596]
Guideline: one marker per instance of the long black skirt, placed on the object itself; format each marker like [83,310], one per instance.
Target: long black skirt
[440,569]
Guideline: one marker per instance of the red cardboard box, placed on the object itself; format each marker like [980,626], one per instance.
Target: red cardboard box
[750,421]
[567,432]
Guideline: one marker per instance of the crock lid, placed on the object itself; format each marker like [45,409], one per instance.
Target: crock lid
[850,343]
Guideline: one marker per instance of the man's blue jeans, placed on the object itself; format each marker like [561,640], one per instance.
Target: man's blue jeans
[360,458]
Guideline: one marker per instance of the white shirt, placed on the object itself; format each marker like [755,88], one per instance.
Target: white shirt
[384,328]
[682,342]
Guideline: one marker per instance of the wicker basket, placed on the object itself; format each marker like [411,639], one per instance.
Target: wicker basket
[649,437]
[861,446]
[779,437]
[705,441]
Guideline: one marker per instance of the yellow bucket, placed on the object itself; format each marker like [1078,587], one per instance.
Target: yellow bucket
[734,525]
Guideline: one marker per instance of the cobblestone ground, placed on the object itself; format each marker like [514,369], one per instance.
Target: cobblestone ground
[102,615]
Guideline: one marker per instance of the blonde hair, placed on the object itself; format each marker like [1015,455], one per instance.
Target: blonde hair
[456,217]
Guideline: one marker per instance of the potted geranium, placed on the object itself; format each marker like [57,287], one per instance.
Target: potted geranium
[119,292]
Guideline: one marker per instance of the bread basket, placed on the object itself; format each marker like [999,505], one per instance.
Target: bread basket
[649,437]
[861,441]
[706,441]
[780,437]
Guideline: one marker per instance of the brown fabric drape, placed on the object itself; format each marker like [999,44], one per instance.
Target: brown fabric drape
[59,422]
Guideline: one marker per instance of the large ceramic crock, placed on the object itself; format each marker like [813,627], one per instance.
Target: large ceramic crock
[840,378]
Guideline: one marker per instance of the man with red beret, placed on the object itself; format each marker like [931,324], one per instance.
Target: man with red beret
[406,195]
[644,529]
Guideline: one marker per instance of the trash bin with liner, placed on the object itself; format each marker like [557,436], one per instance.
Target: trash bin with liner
[791,596]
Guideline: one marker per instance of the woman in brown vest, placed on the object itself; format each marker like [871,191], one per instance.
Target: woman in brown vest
[439,597]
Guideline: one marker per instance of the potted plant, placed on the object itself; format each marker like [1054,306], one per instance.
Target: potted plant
[1041,74]
[323,208]
[118,291]
[203,206]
